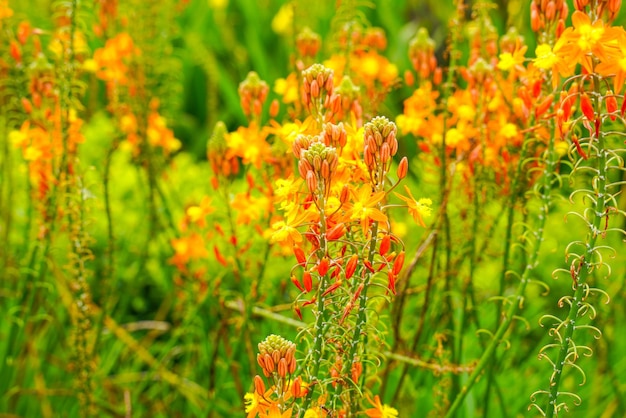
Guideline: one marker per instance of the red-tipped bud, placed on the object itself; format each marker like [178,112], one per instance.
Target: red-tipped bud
[336,232]
[295,281]
[403,168]
[385,245]
[322,267]
[332,288]
[307,281]
[586,107]
[351,266]
[398,263]
[611,104]
[543,106]
[300,257]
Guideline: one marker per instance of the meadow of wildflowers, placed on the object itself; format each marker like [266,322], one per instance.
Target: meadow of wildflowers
[284,209]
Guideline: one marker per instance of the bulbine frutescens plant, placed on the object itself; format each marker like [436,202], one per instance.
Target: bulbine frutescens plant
[596,151]
[348,260]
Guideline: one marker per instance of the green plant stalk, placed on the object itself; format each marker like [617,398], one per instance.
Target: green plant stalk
[318,348]
[581,276]
[516,189]
[514,307]
[362,316]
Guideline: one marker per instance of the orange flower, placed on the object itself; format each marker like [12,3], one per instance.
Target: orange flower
[379,410]
[586,40]
[417,208]
[187,249]
[615,65]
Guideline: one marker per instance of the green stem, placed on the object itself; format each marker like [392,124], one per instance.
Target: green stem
[515,303]
[581,273]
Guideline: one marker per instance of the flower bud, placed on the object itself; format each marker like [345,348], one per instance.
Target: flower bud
[259,385]
[403,168]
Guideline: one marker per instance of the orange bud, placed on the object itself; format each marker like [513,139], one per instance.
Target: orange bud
[586,107]
[292,365]
[300,257]
[260,360]
[336,232]
[332,288]
[307,280]
[611,104]
[385,244]
[274,108]
[220,258]
[345,194]
[259,385]
[398,263]
[311,181]
[543,106]
[296,387]
[356,371]
[269,363]
[295,281]
[403,168]
[322,267]
[315,89]
[28,107]
[351,266]
[283,367]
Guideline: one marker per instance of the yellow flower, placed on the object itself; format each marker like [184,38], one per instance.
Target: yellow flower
[282,22]
[288,88]
[364,207]
[379,410]
[546,58]
[510,61]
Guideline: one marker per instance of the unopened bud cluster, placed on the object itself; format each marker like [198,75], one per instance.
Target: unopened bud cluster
[334,135]
[422,53]
[252,94]
[611,7]
[216,152]
[308,43]
[277,356]
[317,82]
[344,101]
[317,160]
[544,14]
[380,144]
